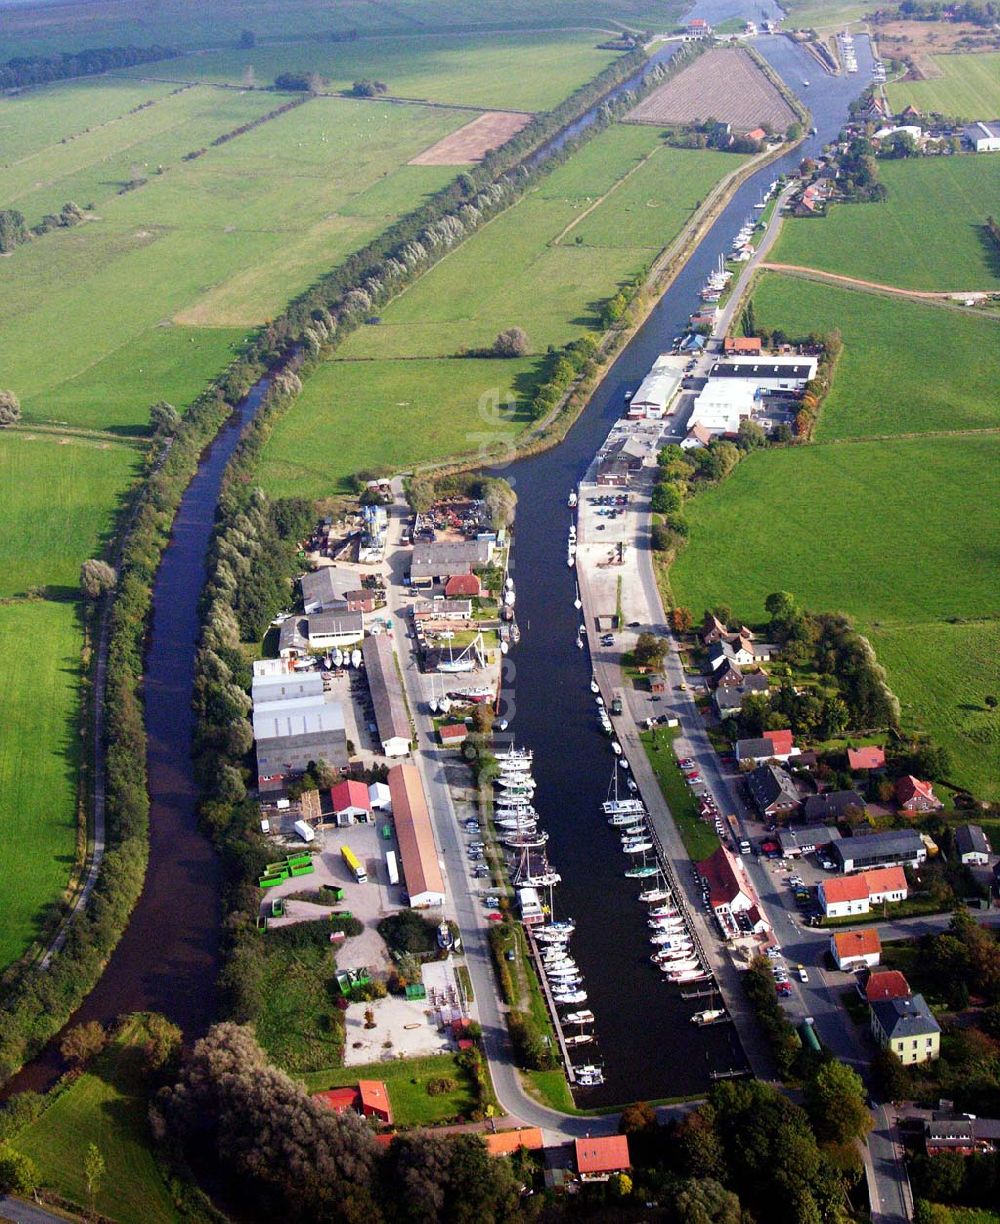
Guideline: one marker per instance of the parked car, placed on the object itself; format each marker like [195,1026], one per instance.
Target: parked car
[803,975]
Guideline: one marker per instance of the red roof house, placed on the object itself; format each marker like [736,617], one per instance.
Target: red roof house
[781,741]
[598,1157]
[757,134]
[351,801]
[729,887]
[453,734]
[374,1098]
[462,586]
[883,984]
[912,795]
[340,1100]
[741,344]
[505,1143]
[865,758]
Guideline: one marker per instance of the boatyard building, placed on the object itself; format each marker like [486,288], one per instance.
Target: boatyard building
[421,869]
[897,847]
[436,562]
[391,716]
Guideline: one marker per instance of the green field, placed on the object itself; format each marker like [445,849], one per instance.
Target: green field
[699,838]
[530,72]
[406,1080]
[298,1025]
[106,1106]
[929,234]
[39,755]
[57,497]
[906,367]
[527,268]
[969,88]
[353,414]
[823,14]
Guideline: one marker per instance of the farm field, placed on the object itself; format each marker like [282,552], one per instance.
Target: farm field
[354,414]
[722,84]
[822,14]
[929,234]
[968,88]
[57,501]
[906,367]
[472,142]
[530,72]
[941,674]
[107,1106]
[38,706]
[846,527]
[526,268]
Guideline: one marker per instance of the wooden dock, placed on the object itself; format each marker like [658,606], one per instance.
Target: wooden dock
[550,1003]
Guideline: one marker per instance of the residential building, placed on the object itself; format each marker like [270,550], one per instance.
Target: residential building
[507,1142]
[319,632]
[739,651]
[712,630]
[856,949]
[698,27]
[758,750]
[913,795]
[907,1028]
[877,985]
[351,801]
[436,562]
[465,586]
[728,676]
[391,716]
[728,700]
[441,609]
[860,759]
[983,137]
[746,346]
[832,806]
[370,1099]
[895,847]
[730,891]
[964,1136]
[772,791]
[856,894]
[696,438]
[421,867]
[782,743]
[972,846]
[767,375]
[598,1156]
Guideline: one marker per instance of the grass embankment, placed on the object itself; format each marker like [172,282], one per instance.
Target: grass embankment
[846,526]
[528,71]
[546,265]
[105,1106]
[969,87]
[699,838]
[407,1080]
[927,235]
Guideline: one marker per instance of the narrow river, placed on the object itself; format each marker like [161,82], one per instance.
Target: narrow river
[168,958]
[650,1048]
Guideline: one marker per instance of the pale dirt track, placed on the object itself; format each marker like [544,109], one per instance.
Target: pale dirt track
[473,140]
[852,282]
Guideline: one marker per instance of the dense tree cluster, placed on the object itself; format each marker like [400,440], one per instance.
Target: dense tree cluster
[25,70]
[13,230]
[367,88]
[758,983]
[977,12]
[10,408]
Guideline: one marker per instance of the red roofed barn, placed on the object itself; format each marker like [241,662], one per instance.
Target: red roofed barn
[351,801]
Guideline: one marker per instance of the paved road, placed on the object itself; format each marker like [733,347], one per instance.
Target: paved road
[22,1212]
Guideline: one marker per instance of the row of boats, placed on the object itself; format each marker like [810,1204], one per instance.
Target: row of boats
[847,52]
[674,950]
[516,821]
[571,546]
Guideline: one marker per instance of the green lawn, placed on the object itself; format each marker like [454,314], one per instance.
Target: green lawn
[906,367]
[353,414]
[298,1025]
[39,756]
[106,1106]
[823,14]
[929,234]
[406,1080]
[57,497]
[699,838]
[529,72]
[941,674]
[969,88]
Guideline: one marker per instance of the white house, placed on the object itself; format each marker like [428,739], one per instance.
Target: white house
[852,950]
[856,894]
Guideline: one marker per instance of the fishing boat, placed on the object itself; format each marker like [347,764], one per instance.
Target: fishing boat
[580,1017]
[642,873]
[711,1015]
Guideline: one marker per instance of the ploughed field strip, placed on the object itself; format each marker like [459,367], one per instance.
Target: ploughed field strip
[723,84]
[472,142]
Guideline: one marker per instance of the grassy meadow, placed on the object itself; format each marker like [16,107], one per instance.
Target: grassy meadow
[895,528]
[907,367]
[400,392]
[968,88]
[530,72]
[106,1106]
[929,234]
[57,501]
[406,1081]
[39,757]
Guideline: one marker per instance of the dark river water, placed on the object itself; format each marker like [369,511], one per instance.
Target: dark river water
[649,1047]
[168,958]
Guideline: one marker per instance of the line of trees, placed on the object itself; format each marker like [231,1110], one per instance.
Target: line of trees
[992,231]
[244,128]
[24,70]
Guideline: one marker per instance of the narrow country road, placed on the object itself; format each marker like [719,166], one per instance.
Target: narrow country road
[931,297]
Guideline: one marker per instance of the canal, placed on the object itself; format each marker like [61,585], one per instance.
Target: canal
[648,1045]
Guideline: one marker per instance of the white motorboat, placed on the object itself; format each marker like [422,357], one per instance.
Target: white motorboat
[578,602]
[670,942]
[623,762]
[616,748]
[589,1069]
[571,560]
[580,1017]
[663,911]
[546,879]
[545,935]
[680,966]
[690,975]
[711,1015]
[566,925]
[643,872]
[515,758]
[590,1079]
